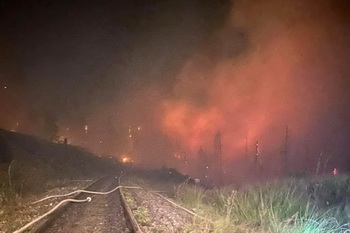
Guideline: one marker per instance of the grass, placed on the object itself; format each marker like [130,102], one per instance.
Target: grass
[141,213]
[16,210]
[142,216]
[30,167]
[290,206]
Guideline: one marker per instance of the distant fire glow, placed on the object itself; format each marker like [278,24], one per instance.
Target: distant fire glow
[253,97]
[246,70]
[126,159]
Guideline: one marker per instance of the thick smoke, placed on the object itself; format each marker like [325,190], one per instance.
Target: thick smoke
[291,70]
[183,71]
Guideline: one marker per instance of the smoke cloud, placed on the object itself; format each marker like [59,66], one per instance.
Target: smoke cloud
[274,64]
[183,71]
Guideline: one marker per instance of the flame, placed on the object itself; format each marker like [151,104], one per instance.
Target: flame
[126,159]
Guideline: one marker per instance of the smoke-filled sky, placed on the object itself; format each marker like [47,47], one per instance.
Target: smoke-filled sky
[181,70]
[273,64]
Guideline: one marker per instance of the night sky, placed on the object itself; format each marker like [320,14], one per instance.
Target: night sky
[73,56]
[181,71]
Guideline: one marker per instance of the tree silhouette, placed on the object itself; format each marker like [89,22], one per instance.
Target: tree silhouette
[50,127]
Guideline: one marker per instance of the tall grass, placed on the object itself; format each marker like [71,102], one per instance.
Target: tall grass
[281,206]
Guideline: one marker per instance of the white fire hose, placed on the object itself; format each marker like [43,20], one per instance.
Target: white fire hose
[88,199]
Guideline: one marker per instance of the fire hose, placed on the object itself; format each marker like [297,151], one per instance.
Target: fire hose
[86,191]
[88,199]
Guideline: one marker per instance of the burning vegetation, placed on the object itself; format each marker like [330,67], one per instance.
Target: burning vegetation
[229,92]
[274,100]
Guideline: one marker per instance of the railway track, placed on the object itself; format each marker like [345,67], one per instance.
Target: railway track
[105,213]
[156,213]
[129,210]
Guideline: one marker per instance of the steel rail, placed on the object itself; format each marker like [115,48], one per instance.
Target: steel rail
[178,206]
[128,212]
[130,219]
[42,227]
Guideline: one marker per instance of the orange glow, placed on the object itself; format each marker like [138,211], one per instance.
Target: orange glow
[184,121]
[126,159]
[281,80]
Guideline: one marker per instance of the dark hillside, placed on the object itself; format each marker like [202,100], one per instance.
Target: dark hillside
[29,164]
